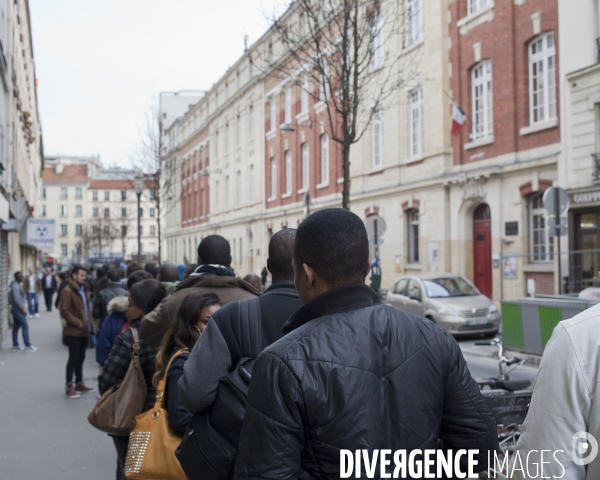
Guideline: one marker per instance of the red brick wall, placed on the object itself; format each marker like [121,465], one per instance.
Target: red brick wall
[191,189]
[505,42]
[544,282]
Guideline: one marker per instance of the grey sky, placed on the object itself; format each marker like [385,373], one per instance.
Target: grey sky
[100,63]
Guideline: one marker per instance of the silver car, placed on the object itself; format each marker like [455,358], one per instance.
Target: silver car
[450,301]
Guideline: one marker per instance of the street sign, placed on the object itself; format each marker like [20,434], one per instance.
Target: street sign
[375,226]
[40,233]
[551,225]
[550,201]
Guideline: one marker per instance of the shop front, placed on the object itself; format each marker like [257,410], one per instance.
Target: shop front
[584,239]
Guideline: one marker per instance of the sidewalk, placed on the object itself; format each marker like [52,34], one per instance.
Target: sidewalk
[46,435]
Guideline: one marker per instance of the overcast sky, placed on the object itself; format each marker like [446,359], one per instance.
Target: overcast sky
[99,63]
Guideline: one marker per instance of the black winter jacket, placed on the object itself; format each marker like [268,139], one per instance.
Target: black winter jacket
[104,297]
[218,349]
[355,375]
[179,417]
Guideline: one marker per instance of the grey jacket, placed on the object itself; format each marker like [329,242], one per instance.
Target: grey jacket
[17,296]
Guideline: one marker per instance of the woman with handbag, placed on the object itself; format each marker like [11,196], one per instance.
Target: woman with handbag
[144,296]
[192,318]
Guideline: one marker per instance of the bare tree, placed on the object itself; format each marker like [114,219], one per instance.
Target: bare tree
[343,47]
[147,158]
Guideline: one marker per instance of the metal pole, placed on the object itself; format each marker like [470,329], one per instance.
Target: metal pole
[557,230]
[139,227]
[376,240]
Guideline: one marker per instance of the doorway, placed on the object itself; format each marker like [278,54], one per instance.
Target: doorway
[585,266]
[482,249]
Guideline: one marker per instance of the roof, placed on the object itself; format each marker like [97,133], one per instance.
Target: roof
[70,173]
[118,184]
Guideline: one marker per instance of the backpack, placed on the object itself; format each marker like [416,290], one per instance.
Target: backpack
[209,446]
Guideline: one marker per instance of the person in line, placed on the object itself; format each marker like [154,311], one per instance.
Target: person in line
[64,281]
[33,288]
[19,312]
[263,277]
[133,267]
[192,318]
[49,285]
[150,267]
[563,412]
[214,275]
[219,349]
[99,282]
[75,308]
[189,269]
[254,280]
[112,289]
[167,275]
[144,296]
[353,374]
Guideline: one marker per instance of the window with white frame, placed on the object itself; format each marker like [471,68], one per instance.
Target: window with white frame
[238,130]
[417,124]
[252,184]
[95,195]
[152,211]
[414,18]
[106,212]
[78,192]
[217,195]
[123,213]
[63,249]
[78,210]
[324,84]
[481,90]
[251,123]
[288,172]
[413,236]
[377,139]
[63,192]
[477,5]
[63,230]
[79,230]
[226,149]
[304,93]
[542,79]
[43,210]
[377,45]
[272,113]
[305,166]
[288,105]
[95,212]
[324,159]
[273,177]
[43,192]
[63,211]
[227,192]
[152,230]
[238,187]
[542,246]
[106,194]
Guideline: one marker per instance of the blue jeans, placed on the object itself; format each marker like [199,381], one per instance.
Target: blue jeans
[33,302]
[20,321]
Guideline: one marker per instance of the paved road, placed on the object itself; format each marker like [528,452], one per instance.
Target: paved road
[45,435]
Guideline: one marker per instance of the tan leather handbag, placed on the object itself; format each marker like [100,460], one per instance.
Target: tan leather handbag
[152,443]
[117,408]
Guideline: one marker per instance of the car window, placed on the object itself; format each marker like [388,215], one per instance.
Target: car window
[449,287]
[414,289]
[400,288]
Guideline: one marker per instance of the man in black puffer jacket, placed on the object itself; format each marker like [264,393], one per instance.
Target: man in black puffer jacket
[351,374]
[105,295]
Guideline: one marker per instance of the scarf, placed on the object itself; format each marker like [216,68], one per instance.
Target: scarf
[218,270]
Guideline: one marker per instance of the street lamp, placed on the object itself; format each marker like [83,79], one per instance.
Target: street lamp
[138,184]
[289,127]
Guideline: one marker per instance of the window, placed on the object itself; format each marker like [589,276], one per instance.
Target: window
[237,81]
[377,45]
[273,177]
[288,105]
[141,230]
[152,212]
[44,192]
[95,231]
[273,113]
[217,195]
[227,192]
[304,93]
[106,212]
[141,212]
[123,231]
[238,187]
[542,80]
[216,100]
[152,195]
[123,213]
[325,159]
[63,210]
[123,195]
[64,250]
[414,28]
[481,79]
[477,5]
[152,247]
[217,144]
[238,131]
[542,246]
[78,210]
[152,230]
[95,213]
[377,139]
[226,138]
[43,210]
[324,84]
[413,236]
[106,231]
[417,130]
[270,54]
[252,187]
[250,69]
[288,172]
[250,123]
[63,192]
[106,195]
[78,249]
[95,195]
[305,166]
[78,193]
[63,230]
[78,230]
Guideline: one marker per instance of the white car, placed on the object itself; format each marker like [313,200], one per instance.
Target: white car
[451,301]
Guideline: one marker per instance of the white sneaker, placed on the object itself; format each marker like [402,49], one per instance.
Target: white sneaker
[31,348]
[37,315]
[18,348]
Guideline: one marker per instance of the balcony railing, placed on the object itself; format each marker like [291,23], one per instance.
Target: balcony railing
[596,157]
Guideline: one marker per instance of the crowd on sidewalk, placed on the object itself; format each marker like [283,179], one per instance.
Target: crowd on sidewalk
[274,382]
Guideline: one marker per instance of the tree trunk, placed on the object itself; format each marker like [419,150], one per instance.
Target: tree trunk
[159,235]
[346,168]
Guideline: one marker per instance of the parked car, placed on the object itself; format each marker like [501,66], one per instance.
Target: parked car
[451,301]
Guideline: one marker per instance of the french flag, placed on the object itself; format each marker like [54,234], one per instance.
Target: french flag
[459,118]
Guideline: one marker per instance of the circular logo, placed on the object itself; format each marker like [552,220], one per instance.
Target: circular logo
[585,448]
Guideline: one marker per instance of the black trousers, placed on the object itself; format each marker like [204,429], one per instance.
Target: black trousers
[77,347]
[121,444]
[48,294]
